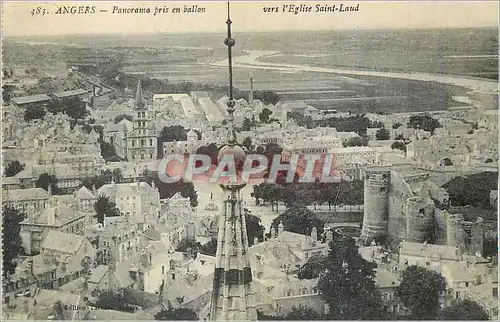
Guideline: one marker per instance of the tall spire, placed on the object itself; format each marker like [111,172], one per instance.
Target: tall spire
[139,99]
[233,297]
[250,95]
[229,42]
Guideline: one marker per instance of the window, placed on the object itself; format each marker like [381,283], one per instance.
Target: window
[315,289]
[303,291]
[427,263]
[288,293]
[466,284]
[406,262]
[163,269]
[173,276]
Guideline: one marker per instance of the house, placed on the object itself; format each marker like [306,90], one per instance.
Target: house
[62,214]
[427,255]
[138,201]
[73,255]
[29,201]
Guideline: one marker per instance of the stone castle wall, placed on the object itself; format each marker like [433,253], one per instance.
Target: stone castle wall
[376,208]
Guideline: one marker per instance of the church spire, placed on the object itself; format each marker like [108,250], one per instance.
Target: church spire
[139,99]
[233,297]
[230,42]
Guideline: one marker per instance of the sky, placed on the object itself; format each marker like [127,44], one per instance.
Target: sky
[247,17]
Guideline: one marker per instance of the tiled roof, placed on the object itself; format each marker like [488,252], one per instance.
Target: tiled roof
[125,189]
[84,193]
[152,234]
[429,250]
[459,271]
[56,216]
[70,93]
[15,195]
[98,273]
[30,99]
[62,242]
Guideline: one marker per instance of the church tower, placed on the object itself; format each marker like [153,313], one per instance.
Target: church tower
[141,141]
[233,297]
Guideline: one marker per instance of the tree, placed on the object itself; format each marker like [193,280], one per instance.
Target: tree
[302,313]
[186,244]
[210,248]
[473,190]
[264,115]
[347,283]
[264,317]
[248,124]
[267,97]
[45,180]
[424,122]
[176,314]
[123,116]
[357,141]
[12,243]
[247,144]
[300,220]
[173,133]
[105,208]
[74,107]
[398,145]
[188,191]
[312,269]
[111,300]
[383,134]
[211,150]
[13,168]
[198,134]
[447,162]
[465,310]
[397,125]
[254,228]
[34,112]
[420,291]
[108,152]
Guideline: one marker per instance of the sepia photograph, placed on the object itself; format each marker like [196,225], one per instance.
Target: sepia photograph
[249,160]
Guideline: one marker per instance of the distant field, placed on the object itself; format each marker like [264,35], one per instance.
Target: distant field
[179,58]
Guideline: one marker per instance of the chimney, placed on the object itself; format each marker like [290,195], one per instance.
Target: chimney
[314,233]
[49,189]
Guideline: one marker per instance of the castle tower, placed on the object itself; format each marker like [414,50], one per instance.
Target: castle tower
[233,297]
[419,221]
[455,233]
[477,236]
[141,141]
[376,208]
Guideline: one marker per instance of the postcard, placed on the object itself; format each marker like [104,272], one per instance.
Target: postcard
[330,160]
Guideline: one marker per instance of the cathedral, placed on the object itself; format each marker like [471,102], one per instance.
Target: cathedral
[137,141]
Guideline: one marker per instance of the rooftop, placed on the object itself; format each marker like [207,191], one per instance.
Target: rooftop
[74,92]
[429,250]
[16,195]
[62,242]
[30,99]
